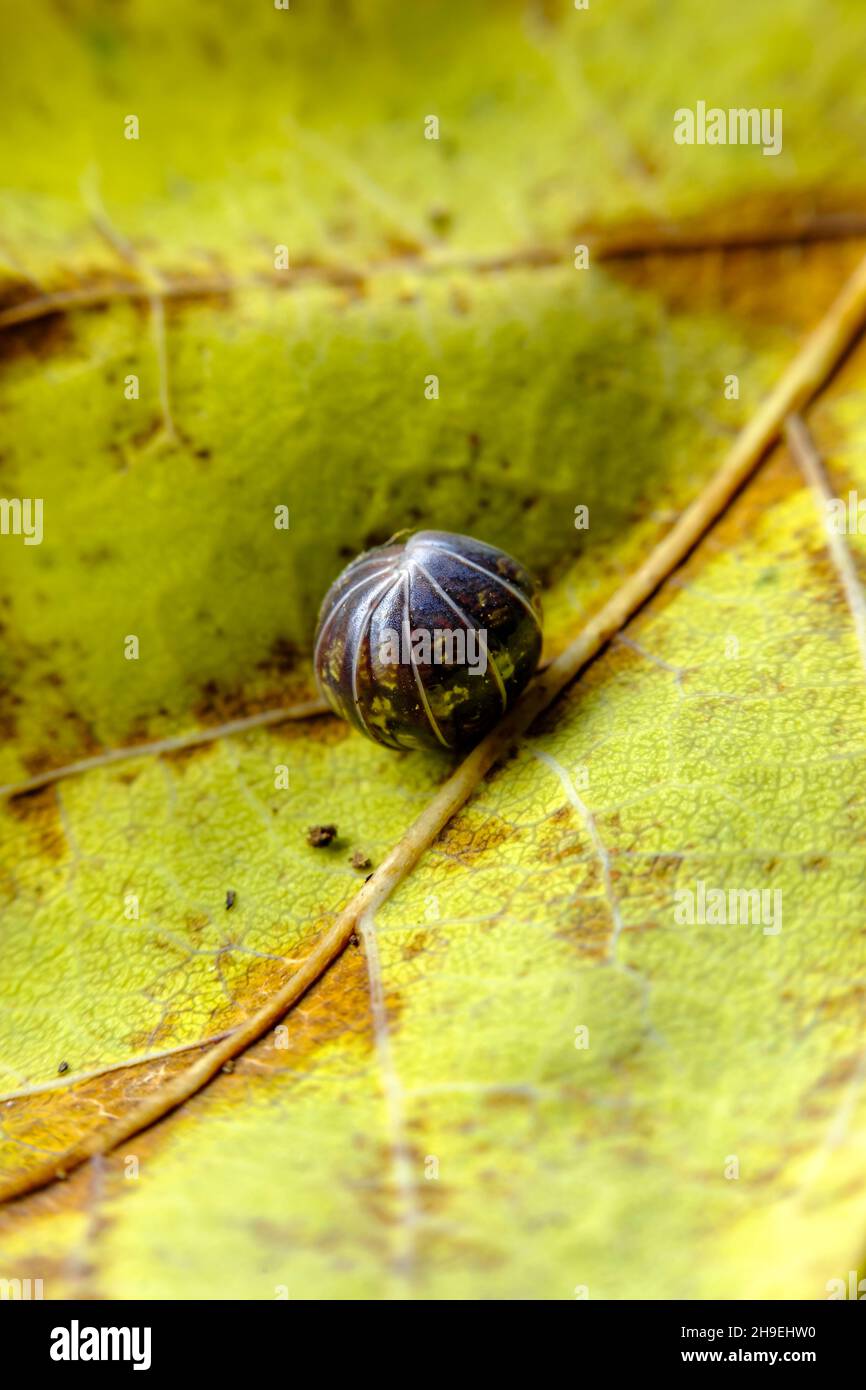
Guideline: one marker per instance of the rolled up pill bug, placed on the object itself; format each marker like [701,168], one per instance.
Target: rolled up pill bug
[425,642]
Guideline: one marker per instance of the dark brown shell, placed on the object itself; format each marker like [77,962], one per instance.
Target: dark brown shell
[473,601]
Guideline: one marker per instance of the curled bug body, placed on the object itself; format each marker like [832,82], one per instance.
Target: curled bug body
[425,643]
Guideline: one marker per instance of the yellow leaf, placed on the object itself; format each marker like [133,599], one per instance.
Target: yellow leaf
[603,1036]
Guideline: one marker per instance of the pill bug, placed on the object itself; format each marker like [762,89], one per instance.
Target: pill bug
[425,642]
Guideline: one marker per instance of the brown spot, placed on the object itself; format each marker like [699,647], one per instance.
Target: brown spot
[589,929]
[819,861]
[52,1121]
[530,258]
[373,539]
[748,278]
[469,837]
[150,430]
[415,945]
[188,293]
[648,924]
[8,726]
[286,683]
[335,1009]
[401,245]
[508,1099]
[324,729]
[211,48]
[341,277]
[555,842]
[840,1073]
[50,330]
[39,337]
[337,1006]
[38,812]
[99,555]
[282,656]
[180,757]
[77,739]
[853,998]
[127,779]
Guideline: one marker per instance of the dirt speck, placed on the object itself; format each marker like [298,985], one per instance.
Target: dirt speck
[318,836]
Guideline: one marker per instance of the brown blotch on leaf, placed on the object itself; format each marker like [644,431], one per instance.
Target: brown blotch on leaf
[37,811]
[401,245]
[324,729]
[753,282]
[39,337]
[75,740]
[554,843]
[851,1001]
[282,656]
[280,679]
[415,945]
[360,860]
[589,929]
[467,839]
[305,269]
[180,757]
[335,1010]
[150,430]
[127,779]
[840,1073]
[193,293]
[337,1007]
